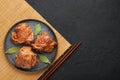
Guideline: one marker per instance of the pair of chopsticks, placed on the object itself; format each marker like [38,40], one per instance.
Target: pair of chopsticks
[57,64]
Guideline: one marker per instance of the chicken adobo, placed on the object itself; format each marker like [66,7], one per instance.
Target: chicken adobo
[22,34]
[26,58]
[44,43]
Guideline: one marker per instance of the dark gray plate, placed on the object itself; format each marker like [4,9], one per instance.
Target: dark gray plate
[8,44]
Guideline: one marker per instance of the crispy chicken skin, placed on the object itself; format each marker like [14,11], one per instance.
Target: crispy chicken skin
[25,58]
[22,34]
[44,43]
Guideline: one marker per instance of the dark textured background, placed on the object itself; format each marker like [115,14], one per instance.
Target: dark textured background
[94,22]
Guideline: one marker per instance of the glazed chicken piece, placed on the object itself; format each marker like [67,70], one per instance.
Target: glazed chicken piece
[25,58]
[22,34]
[44,43]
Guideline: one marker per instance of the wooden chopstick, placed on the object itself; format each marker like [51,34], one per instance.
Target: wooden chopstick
[57,64]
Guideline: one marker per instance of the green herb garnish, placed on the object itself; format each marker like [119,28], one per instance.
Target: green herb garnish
[12,50]
[37,29]
[43,58]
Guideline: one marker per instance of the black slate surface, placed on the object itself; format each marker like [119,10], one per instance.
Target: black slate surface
[96,23]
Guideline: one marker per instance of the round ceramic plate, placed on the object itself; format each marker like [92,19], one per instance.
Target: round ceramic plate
[44,28]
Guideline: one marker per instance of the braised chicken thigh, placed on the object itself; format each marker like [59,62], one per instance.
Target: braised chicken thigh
[44,43]
[22,34]
[26,58]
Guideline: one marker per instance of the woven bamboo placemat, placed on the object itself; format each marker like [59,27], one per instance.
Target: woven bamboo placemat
[11,12]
